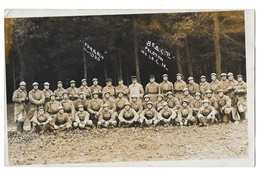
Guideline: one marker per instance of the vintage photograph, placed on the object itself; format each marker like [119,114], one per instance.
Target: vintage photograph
[126,88]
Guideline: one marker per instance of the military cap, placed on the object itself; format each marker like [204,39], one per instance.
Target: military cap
[202,76]
[108,80]
[190,78]
[60,107]
[127,103]
[149,103]
[83,80]
[220,90]
[80,106]
[105,105]
[185,89]
[165,75]
[197,94]
[165,104]
[94,79]
[40,107]
[206,101]
[213,74]
[230,74]
[151,76]
[185,101]
[95,92]
[119,91]
[52,94]
[178,74]
[146,96]
[223,74]
[46,83]
[169,93]
[208,91]
[134,96]
[133,77]
[22,83]
[106,92]
[159,95]
[239,76]
[72,81]
[35,83]
[59,82]
[65,92]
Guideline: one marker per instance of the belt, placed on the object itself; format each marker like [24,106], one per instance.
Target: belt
[178,91]
[67,111]
[52,113]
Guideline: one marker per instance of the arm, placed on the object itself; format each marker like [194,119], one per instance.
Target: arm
[190,113]
[120,116]
[32,100]
[141,91]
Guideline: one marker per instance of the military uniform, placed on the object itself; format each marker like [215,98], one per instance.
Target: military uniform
[165,87]
[192,87]
[73,92]
[110,89]
[96,88]
[189,98]
[179,85]
[120,103]
[158,105]
[85,89]
[241,92]
[42,122]
[215,85]
[111,103]
[152,89]
[20,111]
[136,89]
[166,115]
[94,106]
[106,118]
[128,117]
[47,92]
[69,108]
[225,83]
[61,121]
[81,101]
[82,119]
[122,88]
[149,116]
[231,90]
[185,116]
[206,114]
[145,101]
[58,92]
[137,105]
[52,107]
[173,102]
[197,104]
[204,86]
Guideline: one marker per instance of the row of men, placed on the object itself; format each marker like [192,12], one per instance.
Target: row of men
[92,103]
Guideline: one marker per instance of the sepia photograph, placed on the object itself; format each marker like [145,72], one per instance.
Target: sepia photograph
[131,87]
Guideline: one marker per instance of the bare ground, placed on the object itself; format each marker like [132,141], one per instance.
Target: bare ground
[219,141]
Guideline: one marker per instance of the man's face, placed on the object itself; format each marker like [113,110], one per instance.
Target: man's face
[178,78]
[41,111]
[159,98]
[152,80]
[239,79]
[186,92]
[84,83]
[134,99]
[120,94]
[46,87]
[72,84]
[206,104]
[95,82]
[95,96]
[149,106]
[191,81]
[165,78]
[134,81]
[203,79]
[59,85]
[220,94]
[107,95]
[109,83]
[35,87]
[120,82]
[209,95]
[223,78]
[127,107]
[169,96]
[230,77]
[53,97]
[81,109]
[22,87]
[65,96]
[184,104]
[213,77]
[197,97]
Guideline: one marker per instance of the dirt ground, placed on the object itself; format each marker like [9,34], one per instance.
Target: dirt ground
[219,141]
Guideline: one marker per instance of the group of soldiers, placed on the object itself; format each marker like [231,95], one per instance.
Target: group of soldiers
[157,104]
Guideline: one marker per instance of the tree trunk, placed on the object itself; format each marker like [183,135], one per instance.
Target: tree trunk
[120,73]
[105,69]
[137,67]
[217,43]
[178,59]
[188,55]
[21,62]
[14,77]
[85,65]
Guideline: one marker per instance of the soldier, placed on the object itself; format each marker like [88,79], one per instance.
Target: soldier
[120,101]
[179,85]
[81,101]
[42,121]
[158,105]
[214,103]
[231,88]
[85,89]
[215,84]
[82,119]
[147,98]
[166,115]
[94,106]
[149,116]
[224,82]
[193,86]
[52,107]
[135,88]
[204,86]
[240,91]
[68,106]
[136,104]
[20,112]
[47,92]
[95,87]
[36,98]
[59,91]
[109,88]
[109,100]
[173,102]
[187,96]
[73,91]
[128,116]
[185,115]
[152,88]
[165,86]
[61,120]
[107,117]
[197,104]
[206,114]
[122,87]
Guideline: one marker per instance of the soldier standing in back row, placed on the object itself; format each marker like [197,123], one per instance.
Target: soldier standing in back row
[122,87]
[224,82]
[95,87]
[165,86]
[20,112]
[37,99]
[59,91]
[135,88]
[152,88]
[109,88]
[47,92]
[231,88]
[193,86]
[73,91]
[179,85]
[215,84]
[241,91]
[81,101]
[85,89]
[204,86]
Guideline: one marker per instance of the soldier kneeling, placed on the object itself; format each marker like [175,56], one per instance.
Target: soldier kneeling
[61,120]
[82,119]
[128,116]
[149,116]
[42,121]
[207,114]
[185,115]
[166,115]
[107,118]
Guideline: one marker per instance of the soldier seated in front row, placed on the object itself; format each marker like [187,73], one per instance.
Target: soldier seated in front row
[207,114]
[82,119]
[94,106]
[172,101]
[61,120]
[128,116]
[136,104]
[149,116]
[42,121]
[107,118]
[158,105]
[147,98]
[120,101]
[197,103]
[166,115]
[185,114]
[224,104]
